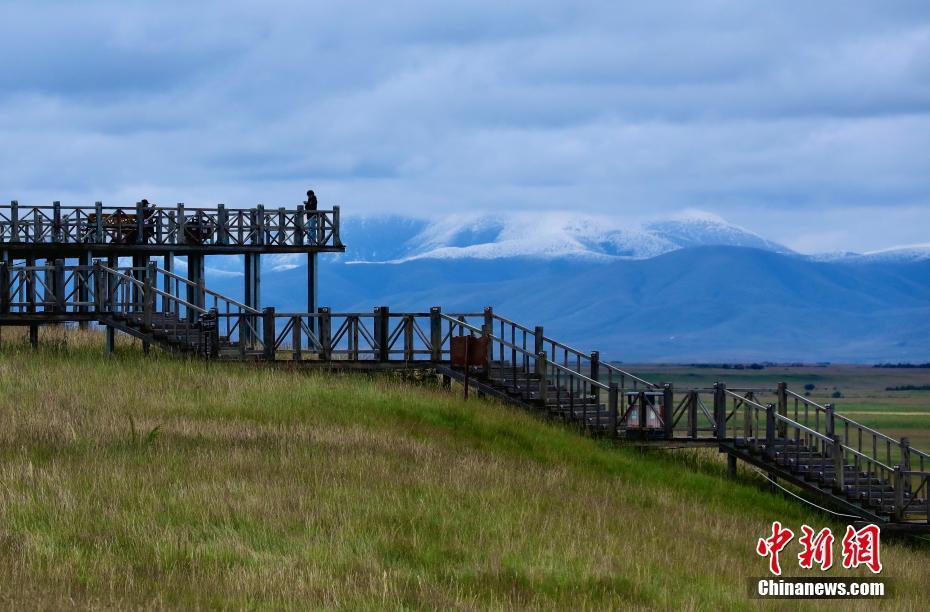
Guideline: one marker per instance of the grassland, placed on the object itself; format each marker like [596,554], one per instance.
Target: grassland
[154,481]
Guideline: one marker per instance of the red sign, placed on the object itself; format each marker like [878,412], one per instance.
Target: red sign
[469,351]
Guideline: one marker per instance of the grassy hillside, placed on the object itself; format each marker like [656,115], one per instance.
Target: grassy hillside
[157,481]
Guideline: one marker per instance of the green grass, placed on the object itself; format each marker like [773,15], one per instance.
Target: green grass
[153,481]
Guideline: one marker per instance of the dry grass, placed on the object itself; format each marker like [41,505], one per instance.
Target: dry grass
[159,482]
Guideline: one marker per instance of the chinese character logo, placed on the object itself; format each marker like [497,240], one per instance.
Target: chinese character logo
[816,548]
[861,548]
[771,546]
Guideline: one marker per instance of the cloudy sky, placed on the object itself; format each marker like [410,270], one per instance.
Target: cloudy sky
[806,122]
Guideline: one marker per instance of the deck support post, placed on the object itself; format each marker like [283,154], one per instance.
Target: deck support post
[839,479]
[325,335]
[148,301]
[613,405]
[167,282]
[720,410]
[541,361]
[312,286]
[268,333]
[770,431]
[731,465]
[195,291]
[783,409]
[435,334]
[899,478]
[594,373]
[382,318]
[253,282]
[906,461]
[668,410]
[31,290]
[692,414]
[82,279]
[296,336]
[4,287]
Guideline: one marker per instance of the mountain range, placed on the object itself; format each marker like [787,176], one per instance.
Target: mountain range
[684,289]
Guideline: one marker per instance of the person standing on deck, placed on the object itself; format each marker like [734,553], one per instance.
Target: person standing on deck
[310,205]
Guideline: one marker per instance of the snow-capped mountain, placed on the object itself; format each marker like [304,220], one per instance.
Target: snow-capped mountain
[912,252]
[544,235]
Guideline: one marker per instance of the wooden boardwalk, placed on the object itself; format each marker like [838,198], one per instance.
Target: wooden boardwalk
[837,461]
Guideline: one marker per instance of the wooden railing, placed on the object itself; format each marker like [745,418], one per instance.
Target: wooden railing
[297,228]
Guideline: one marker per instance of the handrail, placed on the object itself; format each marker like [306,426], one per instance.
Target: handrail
[216,294]
[857,424]
[643,381]
[804,428]
[154,289]
[132,207]
[746,399]
[575,374]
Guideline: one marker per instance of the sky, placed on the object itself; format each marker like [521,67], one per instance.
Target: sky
[808,123]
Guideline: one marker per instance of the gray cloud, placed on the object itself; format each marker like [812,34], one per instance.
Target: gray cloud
[809,124]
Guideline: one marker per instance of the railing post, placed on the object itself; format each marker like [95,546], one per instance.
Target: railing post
[300,222]
[829,421]
[382,320]
[839,479]
[770,430]
[435,333]
[181,236]
[268,333]
[337,241]
[489,325]
[668,413]
[56,221]
[906,459]
[58,285]
[100,287]
[259,224]
[613,405]
[296,334]
[222,224]
[140,224]
[4,287]
[148,296]
[720,410]
[325,333]
[783,409]
[539,343]
[98,222]
[595,373]
[543,390]
[899,477]
[905,454]
[486,334]
[14,221]
[692,413]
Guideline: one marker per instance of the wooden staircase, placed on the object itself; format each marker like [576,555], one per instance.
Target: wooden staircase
[829,471]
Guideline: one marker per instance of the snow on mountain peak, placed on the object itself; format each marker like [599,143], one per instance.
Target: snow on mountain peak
[548,235]
[907,252]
